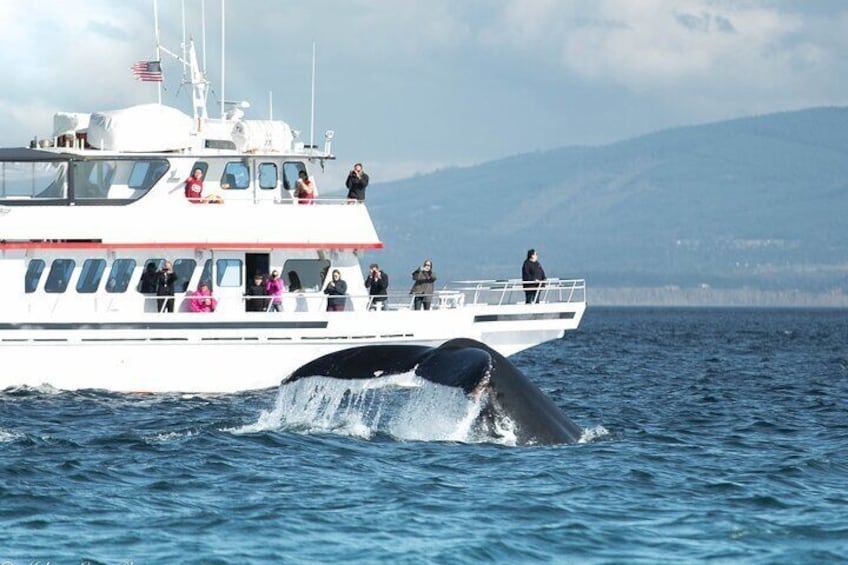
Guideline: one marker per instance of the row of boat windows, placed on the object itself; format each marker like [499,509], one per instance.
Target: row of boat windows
[229,272]
[237,174]
[122,179]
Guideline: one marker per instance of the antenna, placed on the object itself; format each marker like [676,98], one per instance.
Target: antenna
[203,32]
[270,105]
[223,57]
[312,111]
[183,44]
[158,57]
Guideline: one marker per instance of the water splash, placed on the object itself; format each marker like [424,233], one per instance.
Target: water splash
[404,407]
[593,434]
[7,436]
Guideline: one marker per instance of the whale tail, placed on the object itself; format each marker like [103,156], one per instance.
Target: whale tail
[477,369]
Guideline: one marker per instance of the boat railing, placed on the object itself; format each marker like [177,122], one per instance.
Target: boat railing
[494,292]
[513,291]
[251,199]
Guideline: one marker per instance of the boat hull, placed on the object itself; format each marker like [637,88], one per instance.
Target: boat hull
[207,353]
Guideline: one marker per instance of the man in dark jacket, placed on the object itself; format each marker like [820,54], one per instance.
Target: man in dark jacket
[255,294]
[336,290]
[165,287]
[377,284]
[357,182]
[148,286]
[532,274]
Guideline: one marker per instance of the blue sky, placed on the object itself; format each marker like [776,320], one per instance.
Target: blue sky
[413,86]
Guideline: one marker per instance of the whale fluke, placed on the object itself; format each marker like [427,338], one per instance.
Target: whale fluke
[480,371]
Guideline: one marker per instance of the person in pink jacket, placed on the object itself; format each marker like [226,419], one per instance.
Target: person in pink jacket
[275,289]
[202,300]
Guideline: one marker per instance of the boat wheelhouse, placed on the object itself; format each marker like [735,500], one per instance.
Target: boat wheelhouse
[85,211]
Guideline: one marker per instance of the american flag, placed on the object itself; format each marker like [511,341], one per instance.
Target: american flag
[148,71]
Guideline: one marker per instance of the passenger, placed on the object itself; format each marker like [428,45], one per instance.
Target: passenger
[165,287]
[357,182]
[148,279]
[256,294]
[336,290]
[304,189]
[274,288]
[294,282]
[194,190]
[422,288]
[377,284]
[532,274]
[148,285]
[202,300]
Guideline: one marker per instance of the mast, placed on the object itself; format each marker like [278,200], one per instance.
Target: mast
[312,110]
[183,44]
[199,87]
[158,55]
[203,32]
[223,57]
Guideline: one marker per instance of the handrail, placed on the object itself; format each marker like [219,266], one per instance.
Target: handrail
[459,294]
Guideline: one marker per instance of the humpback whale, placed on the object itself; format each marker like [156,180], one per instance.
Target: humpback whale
[481,372]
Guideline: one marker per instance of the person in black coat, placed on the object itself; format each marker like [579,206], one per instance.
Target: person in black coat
[255,294]
[377,284]
[336,290]
[165,287]
[357,182]
[532,274]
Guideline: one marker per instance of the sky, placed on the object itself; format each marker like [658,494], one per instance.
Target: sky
[413,86]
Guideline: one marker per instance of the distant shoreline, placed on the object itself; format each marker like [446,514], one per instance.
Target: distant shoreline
[741,297]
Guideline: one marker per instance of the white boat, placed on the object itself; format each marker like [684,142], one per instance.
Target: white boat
[84,211]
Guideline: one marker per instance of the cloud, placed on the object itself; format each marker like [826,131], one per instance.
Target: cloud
[427,83]
[72,53]
[651,45]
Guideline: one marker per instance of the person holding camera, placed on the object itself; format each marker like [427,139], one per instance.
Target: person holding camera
[377,283]
[165,287]
[305,189]
[422,287]
[357,182]
[336,290]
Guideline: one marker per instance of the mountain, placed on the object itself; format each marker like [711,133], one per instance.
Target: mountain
[756,202]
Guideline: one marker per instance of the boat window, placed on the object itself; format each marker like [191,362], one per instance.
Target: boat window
[92,272]
[309,273]
[92,179]
[144,174]
[60,275]
[33,275]
[206,275]
[202,165]
[184,269]
[291,172]
[229,272]
[236,174]
[267,175]
[119,276]
[220,144]
[33,180]
[128,179]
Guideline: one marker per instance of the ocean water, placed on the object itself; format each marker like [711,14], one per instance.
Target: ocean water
[710,435]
